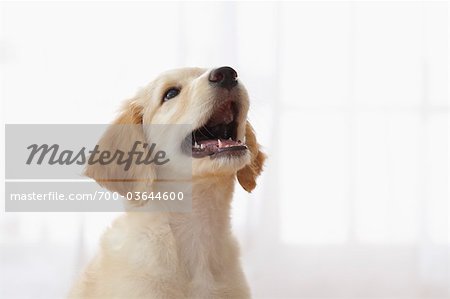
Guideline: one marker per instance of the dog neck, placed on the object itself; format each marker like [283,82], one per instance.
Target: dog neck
[211,200]
[200,234]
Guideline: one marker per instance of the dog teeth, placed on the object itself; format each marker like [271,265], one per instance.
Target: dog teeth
[202,146]
[220,143]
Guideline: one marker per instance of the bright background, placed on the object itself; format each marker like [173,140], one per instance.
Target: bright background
[350,100]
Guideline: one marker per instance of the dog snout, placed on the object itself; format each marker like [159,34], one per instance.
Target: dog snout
[225,77]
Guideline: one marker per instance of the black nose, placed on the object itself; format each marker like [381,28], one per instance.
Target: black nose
[224,77]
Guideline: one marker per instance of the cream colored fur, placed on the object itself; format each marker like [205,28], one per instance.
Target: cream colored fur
[176,255]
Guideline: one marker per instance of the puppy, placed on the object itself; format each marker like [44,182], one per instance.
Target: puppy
[175,254]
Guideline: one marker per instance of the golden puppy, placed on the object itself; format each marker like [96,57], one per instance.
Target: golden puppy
[174,254]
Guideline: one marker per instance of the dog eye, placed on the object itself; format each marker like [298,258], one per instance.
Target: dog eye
[171,93]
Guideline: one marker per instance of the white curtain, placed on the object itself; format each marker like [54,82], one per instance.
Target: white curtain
[350,100]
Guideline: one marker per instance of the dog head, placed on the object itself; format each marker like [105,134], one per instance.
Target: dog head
[219,137]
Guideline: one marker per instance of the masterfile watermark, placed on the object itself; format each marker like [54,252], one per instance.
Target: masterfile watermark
[68,157]
[76,168]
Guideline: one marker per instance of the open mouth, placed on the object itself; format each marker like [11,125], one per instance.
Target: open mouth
[218,137]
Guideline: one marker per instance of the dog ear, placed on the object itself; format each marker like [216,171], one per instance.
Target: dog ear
[247,175]
[125,133]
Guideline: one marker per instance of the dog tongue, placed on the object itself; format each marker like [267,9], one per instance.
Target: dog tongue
[222,115]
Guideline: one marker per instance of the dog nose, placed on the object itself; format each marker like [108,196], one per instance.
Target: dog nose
[225,77]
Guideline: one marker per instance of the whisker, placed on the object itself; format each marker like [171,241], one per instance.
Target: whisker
[200,131]
[209,132]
